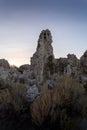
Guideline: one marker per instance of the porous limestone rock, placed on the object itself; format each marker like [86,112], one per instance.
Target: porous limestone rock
[43,59]
[32,93]
[68,69]
[4,73]
[53,81]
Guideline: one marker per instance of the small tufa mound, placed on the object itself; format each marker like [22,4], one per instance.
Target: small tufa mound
[32,93]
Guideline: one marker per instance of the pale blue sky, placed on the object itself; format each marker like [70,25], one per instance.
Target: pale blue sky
[21,22]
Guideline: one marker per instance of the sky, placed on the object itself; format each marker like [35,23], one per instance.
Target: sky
[21,22]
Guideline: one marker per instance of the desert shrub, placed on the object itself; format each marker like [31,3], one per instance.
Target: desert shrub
[4,98]
[49,106]
[81,105]
[4,94]
[43,88]
[76,92]
[17,93]
[43,109]
[13,94]
[3,84]
[71,86]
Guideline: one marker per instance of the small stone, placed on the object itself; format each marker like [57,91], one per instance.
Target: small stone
[32,93]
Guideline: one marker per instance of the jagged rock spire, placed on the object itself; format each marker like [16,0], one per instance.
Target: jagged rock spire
[44,52]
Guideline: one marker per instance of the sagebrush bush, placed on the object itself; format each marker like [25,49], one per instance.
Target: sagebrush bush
[12,93]
[3,84]
[18,92]
[51,103]
[48,106]
[43,109]
[5,98]
[81,105]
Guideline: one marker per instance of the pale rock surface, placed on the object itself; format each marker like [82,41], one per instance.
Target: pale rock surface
[4,73]
[84,79]
[43,55]
[32,93]
[68,70]
[53,81]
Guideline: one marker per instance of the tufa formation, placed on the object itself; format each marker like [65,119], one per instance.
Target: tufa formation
[43,59]
[44,68]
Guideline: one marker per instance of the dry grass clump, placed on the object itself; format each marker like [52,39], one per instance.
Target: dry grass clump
[81,105]
[49,106]
[4,94]
[5,98]
[17,93]
[72,87]
[43,109]
[3,84]
[13,94]
[70,84]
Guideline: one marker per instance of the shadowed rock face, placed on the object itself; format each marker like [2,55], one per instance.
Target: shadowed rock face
[72,59]
[67,66]
[83,62]
[43,58]
[4,63]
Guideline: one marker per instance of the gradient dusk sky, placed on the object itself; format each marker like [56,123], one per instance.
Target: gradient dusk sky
[21,22]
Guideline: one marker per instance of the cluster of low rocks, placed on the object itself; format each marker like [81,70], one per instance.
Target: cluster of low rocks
[44,67]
